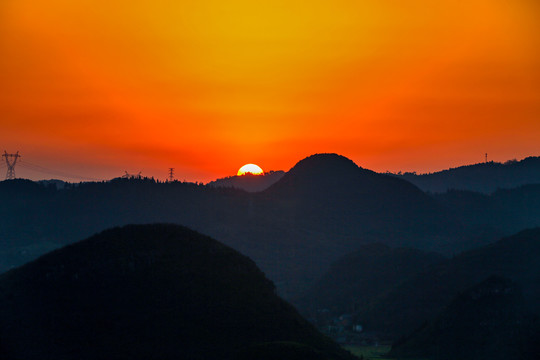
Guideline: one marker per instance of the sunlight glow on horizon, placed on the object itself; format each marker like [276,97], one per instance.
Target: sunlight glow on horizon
[250,169]
[104,87]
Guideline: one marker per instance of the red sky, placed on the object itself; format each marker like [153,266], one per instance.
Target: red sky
[96,87]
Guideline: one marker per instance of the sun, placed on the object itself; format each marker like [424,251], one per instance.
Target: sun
[250,169]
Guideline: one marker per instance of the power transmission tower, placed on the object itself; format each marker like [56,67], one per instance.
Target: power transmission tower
[11,161]
[171,174]
[486,158]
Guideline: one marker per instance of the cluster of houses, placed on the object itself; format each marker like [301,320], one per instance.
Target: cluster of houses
[344,329]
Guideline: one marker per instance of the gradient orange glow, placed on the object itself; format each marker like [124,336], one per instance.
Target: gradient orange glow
[96,87]
[250,169]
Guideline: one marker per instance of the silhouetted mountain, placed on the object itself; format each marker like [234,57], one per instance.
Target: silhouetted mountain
[325,207]
[331,194]
[419,299]
[337,206]
[486,321]
[484,177]
[357,279]
[149,292]
[317,172]
[249,182]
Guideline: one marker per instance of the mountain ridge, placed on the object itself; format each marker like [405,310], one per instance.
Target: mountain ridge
[146,291]
[482,177]
[324,208]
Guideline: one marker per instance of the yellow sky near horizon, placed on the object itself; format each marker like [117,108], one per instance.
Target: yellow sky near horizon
[99,87]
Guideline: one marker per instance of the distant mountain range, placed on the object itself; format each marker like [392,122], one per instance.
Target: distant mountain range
[323,208]
[484,177]
[249,182]
[150,292]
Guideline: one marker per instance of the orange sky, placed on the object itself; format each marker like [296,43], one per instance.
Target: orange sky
[96,87]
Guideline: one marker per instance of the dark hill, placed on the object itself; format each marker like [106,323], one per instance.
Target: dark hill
[330,193]
[357,279]
[483,177]
[249,182]
[317,172]
[326,175]
[419,299]
[331,207]
[486,321]
[148,292]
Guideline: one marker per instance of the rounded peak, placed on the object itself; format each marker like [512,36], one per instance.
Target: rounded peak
[319,171]
[327,164]
[326,160]
[158,248]
[326,172]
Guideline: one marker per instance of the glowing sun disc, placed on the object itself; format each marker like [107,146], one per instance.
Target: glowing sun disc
[250,169]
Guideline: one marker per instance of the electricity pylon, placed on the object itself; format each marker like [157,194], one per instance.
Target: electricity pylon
[11,161]
[171,174]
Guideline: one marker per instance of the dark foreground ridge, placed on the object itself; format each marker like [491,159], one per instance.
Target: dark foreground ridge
[150,292]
